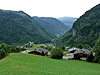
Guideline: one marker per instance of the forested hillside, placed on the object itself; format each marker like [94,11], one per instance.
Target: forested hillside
[16,27]
[85,30]
[52,24]
[68,21]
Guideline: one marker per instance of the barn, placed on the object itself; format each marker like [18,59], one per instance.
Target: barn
[39,51]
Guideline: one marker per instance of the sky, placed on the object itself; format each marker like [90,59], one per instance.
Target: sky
[50,8]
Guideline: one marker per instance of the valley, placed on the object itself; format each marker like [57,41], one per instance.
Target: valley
[38,45]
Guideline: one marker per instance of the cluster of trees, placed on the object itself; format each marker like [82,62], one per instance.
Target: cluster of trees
[95,58]
[86,46]
[57,53]
[6,49]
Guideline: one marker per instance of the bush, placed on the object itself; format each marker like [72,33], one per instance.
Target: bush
[57,53]
[95,60]
[63,48]
[90,57]
[43,53]
[6,49]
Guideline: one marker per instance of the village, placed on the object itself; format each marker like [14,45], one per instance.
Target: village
[68,53]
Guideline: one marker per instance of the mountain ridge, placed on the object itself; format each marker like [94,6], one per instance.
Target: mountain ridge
[85,30]
[19,28]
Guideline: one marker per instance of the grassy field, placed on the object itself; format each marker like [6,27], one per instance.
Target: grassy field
[25,64]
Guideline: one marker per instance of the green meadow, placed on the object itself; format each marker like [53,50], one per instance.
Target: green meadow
[27,64]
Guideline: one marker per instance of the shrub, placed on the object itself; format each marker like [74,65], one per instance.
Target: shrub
[63,48]
[6,49]
[95,60]
[90,57]
[43,53]
[57,53]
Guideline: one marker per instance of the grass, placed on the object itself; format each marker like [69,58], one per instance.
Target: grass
[64,53]
[25,64]
[35,46]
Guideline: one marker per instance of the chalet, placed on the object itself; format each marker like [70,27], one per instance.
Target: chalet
[72,50]
[39,51]
[66,48]
[81,53]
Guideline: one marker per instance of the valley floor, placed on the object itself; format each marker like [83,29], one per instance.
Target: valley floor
[27,64]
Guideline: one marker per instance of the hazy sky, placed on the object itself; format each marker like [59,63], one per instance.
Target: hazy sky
[50,8]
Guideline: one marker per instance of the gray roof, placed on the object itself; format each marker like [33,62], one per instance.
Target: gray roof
[74,49]
[76,52]
[85,51]
[40,50]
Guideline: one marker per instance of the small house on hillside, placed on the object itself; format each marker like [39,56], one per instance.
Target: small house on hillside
[72,50]
[81,53]
[66,48]
[39,51]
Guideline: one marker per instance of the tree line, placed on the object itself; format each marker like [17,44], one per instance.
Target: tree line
[6,49]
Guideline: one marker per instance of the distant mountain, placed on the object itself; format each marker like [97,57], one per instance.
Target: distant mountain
[68,21]
[52,24]
[17,27]
[86,30]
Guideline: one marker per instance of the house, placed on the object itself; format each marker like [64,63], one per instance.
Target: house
[81,53]
[72,50]
[26,51]
[39,51]
[66,48]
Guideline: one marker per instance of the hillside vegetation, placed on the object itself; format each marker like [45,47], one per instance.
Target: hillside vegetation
[85,30]
[16,27]
[25,64]
[52,25]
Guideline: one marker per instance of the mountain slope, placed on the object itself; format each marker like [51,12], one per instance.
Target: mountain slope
[17,27]
[85,30]
[67,21]
[52,24]
[48,33]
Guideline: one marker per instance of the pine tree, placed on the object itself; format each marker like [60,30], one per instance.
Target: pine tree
[90,57]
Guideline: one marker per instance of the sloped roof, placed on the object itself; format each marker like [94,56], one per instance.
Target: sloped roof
[40,50]
[86,51]
[82,51]
[76,52]
[74,49]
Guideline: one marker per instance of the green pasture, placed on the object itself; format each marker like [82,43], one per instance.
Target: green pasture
[28,64]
